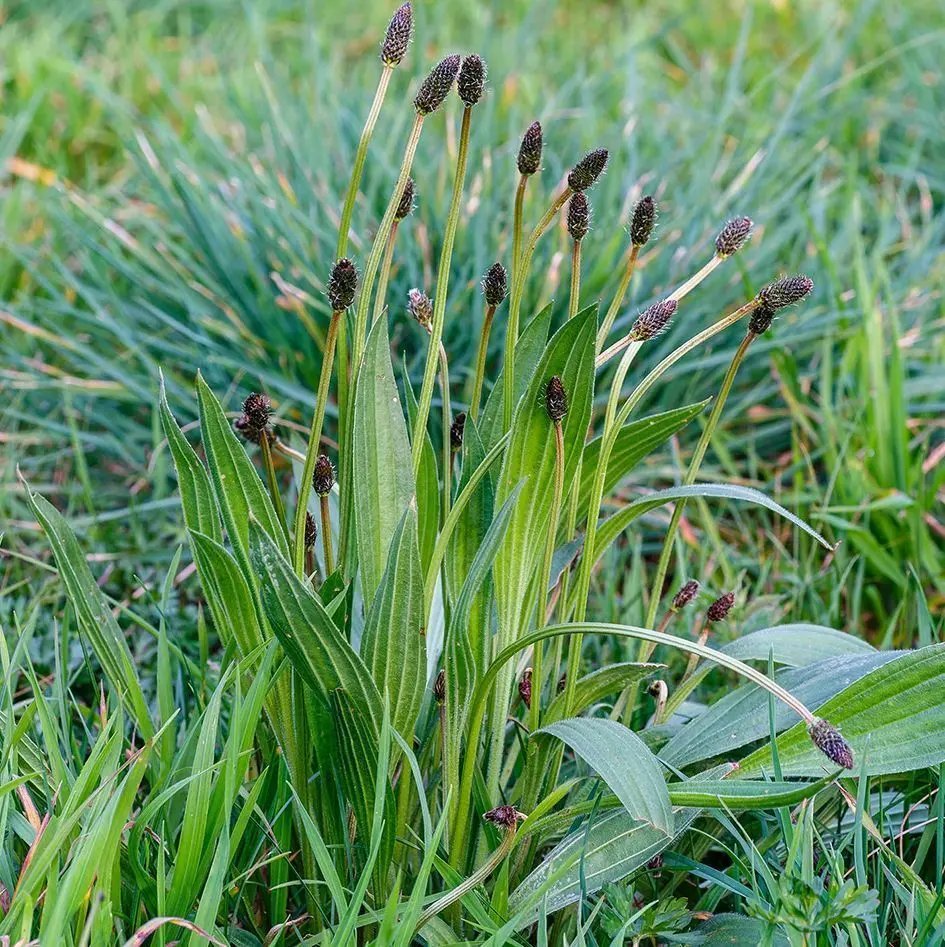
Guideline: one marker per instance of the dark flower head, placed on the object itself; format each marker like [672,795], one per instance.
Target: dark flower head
[495,285]
[588,170]
[775,296]
[579,216]
[718,610]
[436,87]
[656,862]
[651,322]
[529,152]
[456,431]
[686,594]
[405,207]
[732,236]
[505,816]
[827,739]
[342,285]
[253,423]
[439,686]
[525,687]
[311,530]
[323,477]
[397,38]
[556,399]
[472,80]
[420,307]
[641,224]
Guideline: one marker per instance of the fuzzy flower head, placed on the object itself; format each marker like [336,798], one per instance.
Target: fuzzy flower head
[827,739]
[732,236]
[525,687]
[504,816]
[579,216]
[253,423]
[641,224]
[397,38]
[405,207]
[556,399]
[720,608]
[436,87]
[588,170]
[495,285]
[342,285]
[685,595]
[775,296]
[439,687]
[653,321]
[456,431]
[311,530]
[472,80]
[420,306]
[323,477]
[529,152]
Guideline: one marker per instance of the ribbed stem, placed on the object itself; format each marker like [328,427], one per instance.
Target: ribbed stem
[314,438]
[326,535]
[384,277]
[442,286]
[446,446]
[617,301]
[273,482]
[481,363]
[575,297]
[517,217]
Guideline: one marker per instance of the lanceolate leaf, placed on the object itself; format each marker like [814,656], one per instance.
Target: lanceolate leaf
[741,717]
[796,645]
[382,469]
[93,613]
[428,484]
[606,680]
[624,762]
[393,644]
[742,793]
[636,440]
[894,716]
[314,645]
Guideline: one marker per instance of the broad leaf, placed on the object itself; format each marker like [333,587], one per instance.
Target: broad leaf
[736,930]
[381,466]
[624,762]
[606,680]
[741,793]
[428,483]
[796,645]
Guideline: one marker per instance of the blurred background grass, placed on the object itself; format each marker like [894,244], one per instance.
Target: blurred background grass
[170,200]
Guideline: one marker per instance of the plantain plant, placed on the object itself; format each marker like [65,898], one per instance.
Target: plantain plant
[404,700]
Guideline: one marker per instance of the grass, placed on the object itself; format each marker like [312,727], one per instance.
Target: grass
[190,222]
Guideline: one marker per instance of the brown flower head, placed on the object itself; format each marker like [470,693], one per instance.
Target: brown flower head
[311,530]
[495,285]
[397,38]
[525,687]
[456,431]
[556,399]
[472,80]
[775,296]
[641,224]
[588,170]
[529,152]
[439,686]
[323,477]
[420,306]
[405,207]
[686,594]
[254,421]
[342,285]
[720,608]
[504,816]
[732,236]
[436,87]
[653,321]
[579,216]
[827,739]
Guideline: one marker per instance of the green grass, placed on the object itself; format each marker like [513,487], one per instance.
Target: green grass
[173,207]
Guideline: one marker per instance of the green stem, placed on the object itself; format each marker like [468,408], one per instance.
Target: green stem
[384,277]
[314,438]
[517,216]
[326,536]
[617,301]
[515,302]
[481,363]
[446,448]
[575,296]
[273,482]
[442,285]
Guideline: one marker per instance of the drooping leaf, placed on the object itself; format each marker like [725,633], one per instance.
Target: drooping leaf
[382,470]
[392,644]
[93,614]
[894,716]
[796,645]
[624,762]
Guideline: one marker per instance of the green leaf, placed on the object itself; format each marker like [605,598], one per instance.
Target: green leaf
[237,486]
[796,645]
[742,793]
[894,716]
[606,680]
[381,466]
[392,643]
[741,717]
[196,492]
[95,619]
[624,762]
[317,649]
[635,441]
[736,930]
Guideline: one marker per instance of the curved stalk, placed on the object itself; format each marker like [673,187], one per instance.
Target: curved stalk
[384,277]
[270,469]
[617,301]
[517,215]
[326,536]
[442,285]
[481,363]
[446,448]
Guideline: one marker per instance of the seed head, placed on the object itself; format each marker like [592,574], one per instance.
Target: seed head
[323,477]
[720,607]
[732,236]
[525,687]
[397,38]
[556,399]
[420,306]
[775,296]
[656,862]
[685,595]
[439,686]
[588,170]
[641,224]
[311,530]
[651,322]
[405,207]
[472,80]
[827,739]
[529,152]
[579,216]
[342,285]
[456,431]
[253,423]
[495,285]
[505,816]
[436,87]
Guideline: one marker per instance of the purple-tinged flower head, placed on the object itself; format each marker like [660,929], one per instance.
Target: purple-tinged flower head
[653,321]
[311,530]
[405,207]
[588,170]
[685,595]
[556,399]
[456,431]
[529,152]
[776,296]
[253,423]
[827,739]
[397,38]
[471,82]
[342,285]
[504,816]
[641,224]
[323,477]
[495,285]
[732,236]
[420,306]
[720,608]
[436,87]
[579,216]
